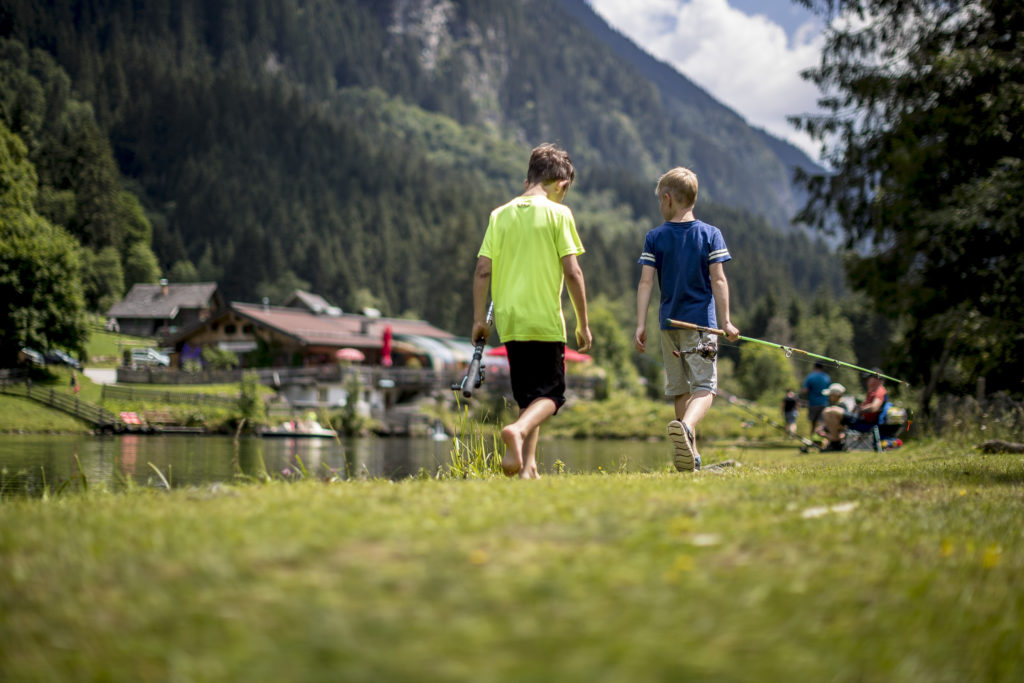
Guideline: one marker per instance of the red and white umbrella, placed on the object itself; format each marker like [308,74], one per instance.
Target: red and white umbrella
[351,354]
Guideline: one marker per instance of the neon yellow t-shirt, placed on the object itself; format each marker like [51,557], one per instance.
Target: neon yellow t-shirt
[526,240]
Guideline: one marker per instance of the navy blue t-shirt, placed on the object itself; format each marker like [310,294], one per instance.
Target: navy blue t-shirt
[682,254]
[815,383]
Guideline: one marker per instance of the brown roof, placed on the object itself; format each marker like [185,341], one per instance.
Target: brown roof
[149,301]
[344,330]
[315,330]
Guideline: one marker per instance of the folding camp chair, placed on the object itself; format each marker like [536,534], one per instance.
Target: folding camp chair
[861,436]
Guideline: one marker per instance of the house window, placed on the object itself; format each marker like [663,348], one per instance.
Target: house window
[214,327]
[230,329]
[321,394]
[247,329]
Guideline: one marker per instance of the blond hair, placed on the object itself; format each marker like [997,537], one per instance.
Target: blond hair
[681,183]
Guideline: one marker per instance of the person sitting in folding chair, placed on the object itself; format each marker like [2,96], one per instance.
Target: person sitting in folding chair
[863,420]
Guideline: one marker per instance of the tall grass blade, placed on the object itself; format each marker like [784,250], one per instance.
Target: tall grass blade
[160,474]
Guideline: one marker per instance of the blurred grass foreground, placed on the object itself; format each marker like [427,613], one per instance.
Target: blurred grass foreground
[852,567]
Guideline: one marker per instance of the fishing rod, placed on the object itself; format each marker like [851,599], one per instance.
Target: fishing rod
[475,372]
[745,405]
[789,350]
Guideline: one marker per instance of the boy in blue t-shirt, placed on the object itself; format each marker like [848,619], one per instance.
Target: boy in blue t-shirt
[688,256]
[815,389]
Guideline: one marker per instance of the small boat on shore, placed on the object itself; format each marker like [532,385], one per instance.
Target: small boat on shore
[300,429]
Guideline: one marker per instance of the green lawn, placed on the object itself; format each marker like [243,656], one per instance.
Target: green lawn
[904,566]
[104,348]
[25,415]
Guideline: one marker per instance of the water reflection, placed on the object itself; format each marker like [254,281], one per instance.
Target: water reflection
[34,463]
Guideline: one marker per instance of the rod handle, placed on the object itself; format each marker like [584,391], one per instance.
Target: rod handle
[697,328]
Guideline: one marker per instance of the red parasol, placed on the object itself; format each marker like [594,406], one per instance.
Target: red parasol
[385,349]
[349,353]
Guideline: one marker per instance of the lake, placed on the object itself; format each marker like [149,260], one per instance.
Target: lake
[28,463]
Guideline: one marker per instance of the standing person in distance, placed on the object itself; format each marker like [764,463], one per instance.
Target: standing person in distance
[528,253]
[815,388]
[687,255]
[789,411]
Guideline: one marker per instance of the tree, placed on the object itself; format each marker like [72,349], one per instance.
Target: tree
[184,271]
[41,302]
[615,351]
[763,372]
[140,265]
[102,278]
[924,107]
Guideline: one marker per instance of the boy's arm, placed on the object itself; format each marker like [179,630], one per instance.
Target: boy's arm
[643,301]
[481,288]
[578,295]
[720,290]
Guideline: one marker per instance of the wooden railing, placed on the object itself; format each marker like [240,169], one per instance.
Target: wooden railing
[72,405]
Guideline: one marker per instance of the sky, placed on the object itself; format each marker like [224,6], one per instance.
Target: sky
[748,54]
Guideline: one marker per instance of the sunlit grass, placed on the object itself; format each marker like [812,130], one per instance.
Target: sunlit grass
[25,415]
[903,566]
[104,349]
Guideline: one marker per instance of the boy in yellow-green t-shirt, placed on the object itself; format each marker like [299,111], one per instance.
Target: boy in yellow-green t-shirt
[529,251]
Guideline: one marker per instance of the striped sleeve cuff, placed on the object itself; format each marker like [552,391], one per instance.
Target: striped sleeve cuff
[647,257]
[719,255]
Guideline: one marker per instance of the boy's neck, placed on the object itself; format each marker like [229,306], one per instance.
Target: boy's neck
[683,216]
[554,190]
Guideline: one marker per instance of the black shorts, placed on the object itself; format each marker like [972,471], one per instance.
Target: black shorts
[537,370]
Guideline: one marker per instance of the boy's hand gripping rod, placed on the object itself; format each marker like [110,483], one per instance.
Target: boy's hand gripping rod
[475,372]
[789,350]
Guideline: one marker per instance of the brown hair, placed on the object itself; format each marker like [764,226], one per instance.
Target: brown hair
[549,162]
[681,183]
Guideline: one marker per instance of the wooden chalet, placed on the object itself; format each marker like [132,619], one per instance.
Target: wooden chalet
[163,309]
[264,336]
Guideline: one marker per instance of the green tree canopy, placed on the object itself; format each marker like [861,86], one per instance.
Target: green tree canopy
[925,105]
[41,301]
[102,278]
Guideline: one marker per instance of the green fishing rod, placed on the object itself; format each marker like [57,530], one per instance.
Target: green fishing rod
[789,350]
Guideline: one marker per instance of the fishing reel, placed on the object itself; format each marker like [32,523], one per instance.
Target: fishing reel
[706,349]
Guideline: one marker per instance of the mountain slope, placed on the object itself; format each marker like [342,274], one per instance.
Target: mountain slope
[734,142]
[357,146]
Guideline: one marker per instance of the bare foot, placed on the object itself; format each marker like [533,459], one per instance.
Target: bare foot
[529,473]
[512,461]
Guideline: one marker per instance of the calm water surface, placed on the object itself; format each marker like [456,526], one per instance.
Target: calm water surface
[30,463]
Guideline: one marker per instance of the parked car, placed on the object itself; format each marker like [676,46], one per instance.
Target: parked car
[30,356]
[58,357]
[150,357]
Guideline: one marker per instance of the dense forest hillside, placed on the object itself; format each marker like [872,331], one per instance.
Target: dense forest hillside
[355,147]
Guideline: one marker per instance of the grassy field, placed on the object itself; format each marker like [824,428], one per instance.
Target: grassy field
[24,415]
[104,349]
[905,566]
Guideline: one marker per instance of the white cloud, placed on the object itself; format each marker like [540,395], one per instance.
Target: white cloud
[747,62]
